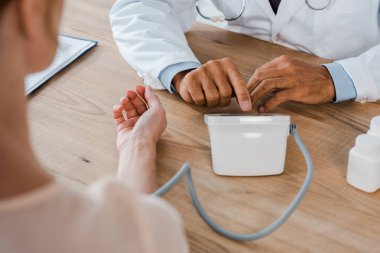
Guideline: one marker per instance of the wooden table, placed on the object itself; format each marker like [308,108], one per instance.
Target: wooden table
[73,135]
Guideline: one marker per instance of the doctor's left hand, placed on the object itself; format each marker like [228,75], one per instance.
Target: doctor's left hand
[290,80]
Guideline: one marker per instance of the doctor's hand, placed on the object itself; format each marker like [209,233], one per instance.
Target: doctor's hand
[284,79]
[213,84]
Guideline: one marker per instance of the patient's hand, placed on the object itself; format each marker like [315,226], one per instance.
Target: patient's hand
[140,120]
[144,117]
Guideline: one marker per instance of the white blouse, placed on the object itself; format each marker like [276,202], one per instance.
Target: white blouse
[108,216]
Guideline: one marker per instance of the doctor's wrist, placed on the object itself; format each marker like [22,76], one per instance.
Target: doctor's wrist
[177,80]
[330,87]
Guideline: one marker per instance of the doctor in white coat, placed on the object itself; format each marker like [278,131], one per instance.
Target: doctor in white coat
[150,36]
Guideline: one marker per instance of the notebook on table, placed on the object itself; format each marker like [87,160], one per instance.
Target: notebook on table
[70,49]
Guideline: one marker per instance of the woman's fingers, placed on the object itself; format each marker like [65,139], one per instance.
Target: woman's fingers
[140,90]
[118,116]
[137,102]
[129,108]
[151,98]
[134,107]
[119,119]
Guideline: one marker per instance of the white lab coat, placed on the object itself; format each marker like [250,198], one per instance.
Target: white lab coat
[150,34]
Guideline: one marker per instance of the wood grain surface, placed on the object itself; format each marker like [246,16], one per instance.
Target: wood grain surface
[73,135]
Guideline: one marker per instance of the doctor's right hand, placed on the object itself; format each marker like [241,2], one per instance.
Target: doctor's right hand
[213,84]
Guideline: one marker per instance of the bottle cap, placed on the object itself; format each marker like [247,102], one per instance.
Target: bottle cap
[375,126]
[367,144]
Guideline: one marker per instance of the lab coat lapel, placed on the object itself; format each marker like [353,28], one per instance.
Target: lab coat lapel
[285,12]
[265,6]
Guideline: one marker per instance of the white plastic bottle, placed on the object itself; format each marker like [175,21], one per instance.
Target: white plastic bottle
[364,162]
[375,127]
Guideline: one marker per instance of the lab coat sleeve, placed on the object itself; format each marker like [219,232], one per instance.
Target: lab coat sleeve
[150,35]
[364,71]
[344,86]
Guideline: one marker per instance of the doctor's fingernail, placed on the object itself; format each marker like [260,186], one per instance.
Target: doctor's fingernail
[246,105]
[261,109]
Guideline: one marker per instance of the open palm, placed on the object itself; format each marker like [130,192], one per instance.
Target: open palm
[141,114]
